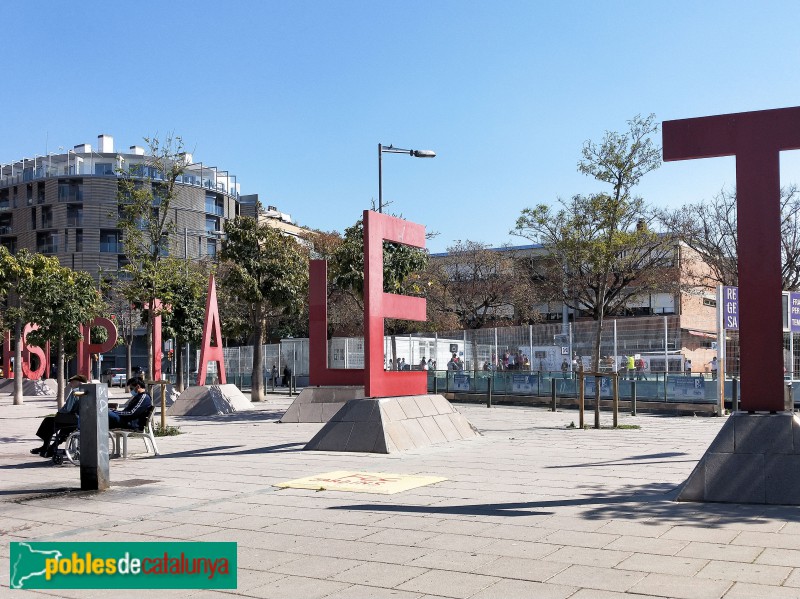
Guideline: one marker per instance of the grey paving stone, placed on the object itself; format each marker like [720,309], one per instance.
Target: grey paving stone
[778,557]
[649,545]
[767,539]
[315,567]
[681,587]
[448,584]
[380,574]
[520,589]
[715,551]
[607,579]
[793,580]
[634,529]
[576,538]
[357,591]
[521,568]
[526,549]
[458,561]
[754,573]
[700,533]
[296,586]
[743,590]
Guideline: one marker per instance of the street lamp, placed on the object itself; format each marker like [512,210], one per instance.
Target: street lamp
[392,150]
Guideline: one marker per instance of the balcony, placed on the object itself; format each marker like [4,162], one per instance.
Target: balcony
[5,229]
[75,221]
[47,248]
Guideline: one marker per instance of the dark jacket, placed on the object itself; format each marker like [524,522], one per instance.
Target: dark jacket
[134,413]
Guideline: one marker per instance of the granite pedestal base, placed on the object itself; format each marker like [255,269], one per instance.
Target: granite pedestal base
[210,400]
[755,458]
[319,404]
[392,424]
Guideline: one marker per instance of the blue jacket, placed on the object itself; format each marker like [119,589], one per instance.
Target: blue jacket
[134,412]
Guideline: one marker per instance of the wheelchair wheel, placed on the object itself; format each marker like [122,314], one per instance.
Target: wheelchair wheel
[72,448]
[58,459]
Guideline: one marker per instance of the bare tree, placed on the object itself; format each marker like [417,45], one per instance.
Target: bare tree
[709,228]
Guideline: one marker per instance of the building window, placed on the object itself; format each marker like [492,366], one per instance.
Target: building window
[10,243]
[78,240]
[215,204]
[212,224]
[40,193]
[70,190]
[711,303]
[211,248]
[47,242]
[104,168]
[33,219]
[6,224]
[110,242]
[29,194]
[47,217]
[74,215]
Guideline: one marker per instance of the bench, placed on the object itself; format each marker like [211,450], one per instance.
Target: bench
[146,434]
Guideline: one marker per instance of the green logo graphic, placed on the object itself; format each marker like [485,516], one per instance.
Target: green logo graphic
[123,565]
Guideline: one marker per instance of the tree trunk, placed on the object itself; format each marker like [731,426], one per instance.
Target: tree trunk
[598,336]
[60,372]
[394,353]
[257,384]
[129,357]
[18,363]
[179,367]
[151,358]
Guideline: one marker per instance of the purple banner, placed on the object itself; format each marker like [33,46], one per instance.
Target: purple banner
[794,312]
[730,308]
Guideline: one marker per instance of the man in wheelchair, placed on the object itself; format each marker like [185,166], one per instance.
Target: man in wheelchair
[55,428]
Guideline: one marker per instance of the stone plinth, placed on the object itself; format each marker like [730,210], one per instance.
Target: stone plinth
[29,388]
[392,424]
[210,400]
[319,404]
[755,458]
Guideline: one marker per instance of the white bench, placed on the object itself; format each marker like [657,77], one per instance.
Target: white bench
[146,434]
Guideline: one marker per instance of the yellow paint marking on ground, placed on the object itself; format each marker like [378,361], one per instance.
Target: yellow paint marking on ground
[361,482]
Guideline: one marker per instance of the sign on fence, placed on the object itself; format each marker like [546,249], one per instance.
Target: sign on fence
[460,382]
[523,383]
[794,312]
[689,387]
[605,387]
[730,308]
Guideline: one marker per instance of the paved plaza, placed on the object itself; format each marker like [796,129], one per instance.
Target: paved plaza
[530,509]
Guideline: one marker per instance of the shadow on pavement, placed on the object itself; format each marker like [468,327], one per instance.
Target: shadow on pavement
[651,504]
[640,459]
[219,450]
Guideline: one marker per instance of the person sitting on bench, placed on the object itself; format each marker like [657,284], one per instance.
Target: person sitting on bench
[133,415]
[62,422]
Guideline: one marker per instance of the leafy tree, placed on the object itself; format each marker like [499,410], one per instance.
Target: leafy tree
[709,228]
[402,266]
[184,322]
[65,299]
[145,196]
[601,251]
[268,271]
[475,285]
[14,270]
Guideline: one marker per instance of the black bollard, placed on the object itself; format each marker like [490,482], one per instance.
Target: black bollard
[735,395]
[633,398]
[435,383]
[552,395]
[94,437]
[489,393]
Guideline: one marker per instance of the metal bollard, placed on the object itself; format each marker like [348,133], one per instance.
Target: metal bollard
[489,393]
[633,398]
[435,384]
[552,395]
[94,437]
[735,395]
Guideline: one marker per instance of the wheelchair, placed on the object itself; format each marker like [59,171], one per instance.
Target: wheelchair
[72,449]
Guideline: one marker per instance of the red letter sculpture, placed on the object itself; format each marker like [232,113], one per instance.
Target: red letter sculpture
[379,305]
[756,140]
[211,332]
[319,373]
[27,350]
[86,348]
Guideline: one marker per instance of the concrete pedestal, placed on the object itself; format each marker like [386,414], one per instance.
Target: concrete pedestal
[94,437]
[755,458]
[319,404]
[210,400]
[392,424]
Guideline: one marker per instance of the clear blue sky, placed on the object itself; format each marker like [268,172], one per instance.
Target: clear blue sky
[293,97]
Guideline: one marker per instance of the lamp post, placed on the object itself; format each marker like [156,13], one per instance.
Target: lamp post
[392,150]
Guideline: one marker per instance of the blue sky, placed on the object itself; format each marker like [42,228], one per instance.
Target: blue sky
[294,97]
